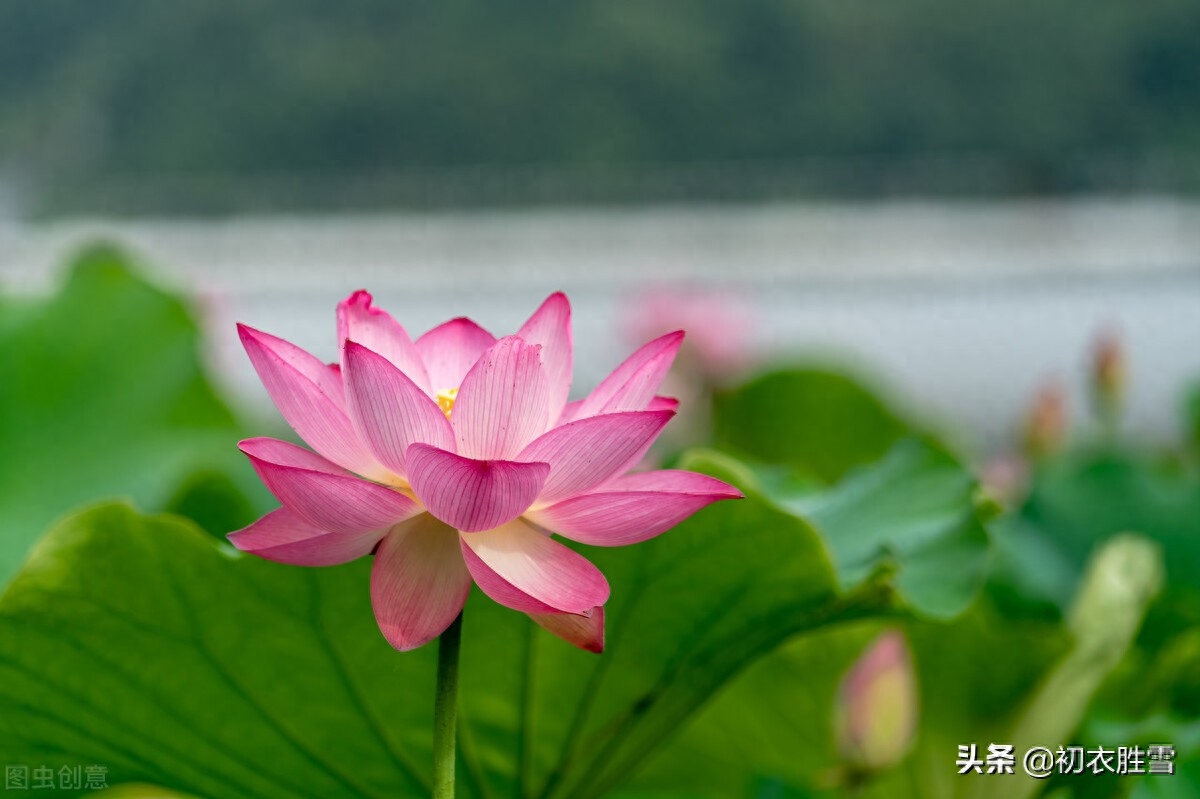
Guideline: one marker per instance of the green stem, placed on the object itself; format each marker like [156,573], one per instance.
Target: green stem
[445,711]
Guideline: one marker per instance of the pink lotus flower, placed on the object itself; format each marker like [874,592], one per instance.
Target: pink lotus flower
[455,457]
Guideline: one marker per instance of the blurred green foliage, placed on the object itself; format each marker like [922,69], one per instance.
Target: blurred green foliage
[818,421]
[102,394]
[982,678]
[138,88]
[913,514]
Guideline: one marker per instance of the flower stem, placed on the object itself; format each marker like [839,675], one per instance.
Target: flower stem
[445,711]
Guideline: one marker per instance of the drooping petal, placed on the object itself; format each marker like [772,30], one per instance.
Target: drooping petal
[550,327]
[389,410]
[358,320]
[325,495]
[632,385]
[450,349]
[470,494]
[633,508]
[521,567]
[501,405]
[419,582]
[585,453]
[285,537]
[299,385]
[584,630]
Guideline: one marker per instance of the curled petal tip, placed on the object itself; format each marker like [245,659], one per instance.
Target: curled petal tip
[362,301]
[584,630]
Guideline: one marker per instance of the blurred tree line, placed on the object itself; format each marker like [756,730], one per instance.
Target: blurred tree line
[89,91]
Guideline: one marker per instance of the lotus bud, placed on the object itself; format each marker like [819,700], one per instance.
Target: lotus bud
[876,712]
[1109,376]
[1046,425]
[1004,480]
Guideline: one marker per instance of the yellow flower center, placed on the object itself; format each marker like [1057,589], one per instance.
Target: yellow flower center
[445,400]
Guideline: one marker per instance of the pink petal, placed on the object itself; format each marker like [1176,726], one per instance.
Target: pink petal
[299,385]
[661,403]
[585,453]
[284,537]
[472,494]
[419,582]
[521,567]
[323,494]
[389,410]
[633,508]
[550,327]
[584,630]
[450,349]
[374,328]
[632,385]
[501,405]
[322,375]
[570,412]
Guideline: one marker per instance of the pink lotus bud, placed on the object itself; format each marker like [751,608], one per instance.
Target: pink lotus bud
[1109,375]
[718,329]
[876,713]
[1046,425]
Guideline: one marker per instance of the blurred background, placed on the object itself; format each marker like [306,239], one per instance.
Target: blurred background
[954,198]
[939,263]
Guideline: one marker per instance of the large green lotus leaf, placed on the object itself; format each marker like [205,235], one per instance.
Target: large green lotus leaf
[782,710]
[141,643]
[140,791]
[981,677]
[972,674]
[102,395]
[912,518]
[914,513]
[818,421]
